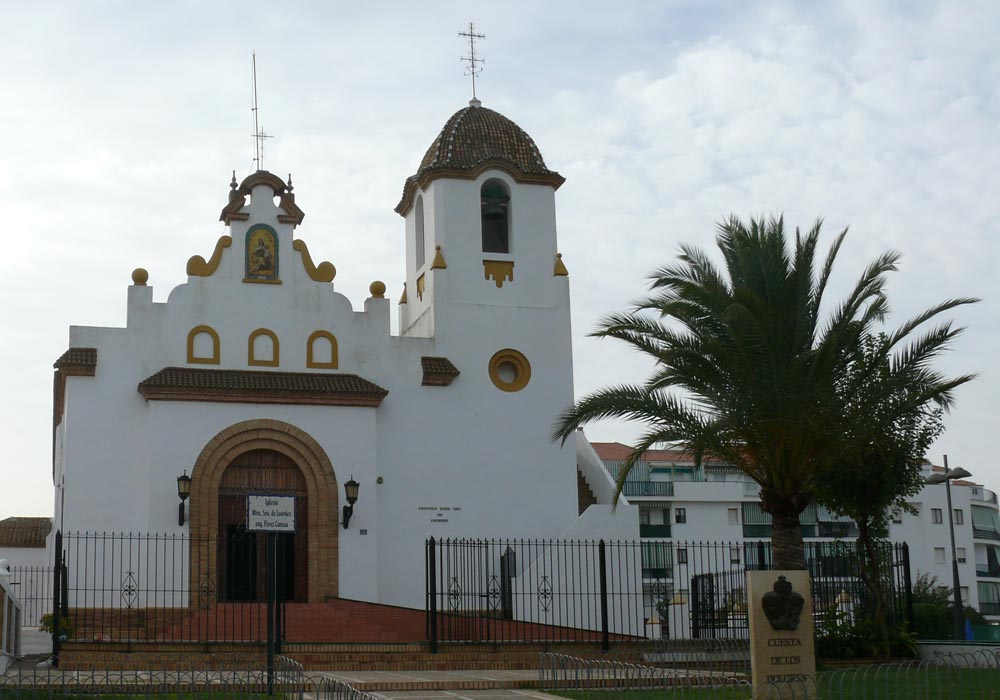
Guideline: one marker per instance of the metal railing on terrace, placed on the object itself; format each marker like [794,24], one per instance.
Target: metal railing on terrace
[648,488]
[654,530]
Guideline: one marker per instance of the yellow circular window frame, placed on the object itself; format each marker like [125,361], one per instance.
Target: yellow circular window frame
[520,364]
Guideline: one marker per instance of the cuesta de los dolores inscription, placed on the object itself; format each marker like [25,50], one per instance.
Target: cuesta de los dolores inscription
[782,653]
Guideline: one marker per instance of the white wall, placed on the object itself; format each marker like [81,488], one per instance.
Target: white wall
[466,460]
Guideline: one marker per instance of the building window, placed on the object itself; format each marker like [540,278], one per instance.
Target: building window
[321,351]
[897,516]
[666,516]
[734,516]
[263,348]
[963,591]
[936,516]
[682,555]
[734,555]
[939,555]
[960,555]
[495,210]
[644,517]
[680,515]
[509,370]
[959,516]
[418,223]
[203,346]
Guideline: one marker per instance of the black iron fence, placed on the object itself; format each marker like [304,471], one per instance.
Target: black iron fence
[491,591]
[137,588]
[32,585]
[165,588]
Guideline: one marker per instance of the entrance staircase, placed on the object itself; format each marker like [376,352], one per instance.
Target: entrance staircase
[338,621]
[338,635]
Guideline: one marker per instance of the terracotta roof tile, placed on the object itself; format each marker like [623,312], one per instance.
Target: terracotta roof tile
[477,134]
[24,532]
[473,138]
[245,386]
[438,371]
[616,451]
[77,358]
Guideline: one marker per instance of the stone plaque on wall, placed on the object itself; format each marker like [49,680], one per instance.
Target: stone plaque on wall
[782,651]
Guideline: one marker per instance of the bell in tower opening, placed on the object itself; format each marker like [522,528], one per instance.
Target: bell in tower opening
[495,203]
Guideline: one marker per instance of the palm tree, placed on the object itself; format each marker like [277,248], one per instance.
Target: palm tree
[747,369]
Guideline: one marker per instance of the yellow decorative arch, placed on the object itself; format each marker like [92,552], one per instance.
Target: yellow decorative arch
[252,359]
[321,486]
[311,361]
[213,359]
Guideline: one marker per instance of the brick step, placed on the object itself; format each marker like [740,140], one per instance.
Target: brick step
[333,621]
[416,657]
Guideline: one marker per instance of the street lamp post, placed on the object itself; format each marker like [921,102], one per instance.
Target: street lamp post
[958,611]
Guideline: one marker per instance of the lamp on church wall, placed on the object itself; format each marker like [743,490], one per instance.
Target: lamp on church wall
[351,492]
[183,491]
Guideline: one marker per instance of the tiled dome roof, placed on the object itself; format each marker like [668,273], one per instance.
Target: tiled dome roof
[476,138]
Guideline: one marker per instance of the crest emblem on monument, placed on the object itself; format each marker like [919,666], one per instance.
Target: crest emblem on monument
[783,606]
[261,254]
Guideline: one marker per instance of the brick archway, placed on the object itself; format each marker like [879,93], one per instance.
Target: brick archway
[322,504]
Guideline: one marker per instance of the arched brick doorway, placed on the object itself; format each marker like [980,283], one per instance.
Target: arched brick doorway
[238,459]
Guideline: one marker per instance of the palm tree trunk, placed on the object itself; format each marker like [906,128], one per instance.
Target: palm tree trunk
[786,539]
[871,574]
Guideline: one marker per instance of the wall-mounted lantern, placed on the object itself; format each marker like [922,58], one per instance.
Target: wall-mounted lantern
[351,492]
[183,491]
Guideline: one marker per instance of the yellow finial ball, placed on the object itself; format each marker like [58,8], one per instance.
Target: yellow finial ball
[140,277]
[377,289]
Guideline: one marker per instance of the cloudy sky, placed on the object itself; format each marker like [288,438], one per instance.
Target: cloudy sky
[122,122]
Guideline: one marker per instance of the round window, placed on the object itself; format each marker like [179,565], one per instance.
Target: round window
[510,370]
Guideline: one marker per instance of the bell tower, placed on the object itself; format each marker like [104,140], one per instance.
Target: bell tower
[480,227]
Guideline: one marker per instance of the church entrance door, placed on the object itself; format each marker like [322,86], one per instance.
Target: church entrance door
[242,554]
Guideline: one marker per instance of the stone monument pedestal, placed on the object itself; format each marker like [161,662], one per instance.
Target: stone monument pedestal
[782,647]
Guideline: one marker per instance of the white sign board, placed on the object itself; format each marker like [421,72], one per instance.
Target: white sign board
[270,513]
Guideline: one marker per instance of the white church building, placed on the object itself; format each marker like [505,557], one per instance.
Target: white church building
[256,377]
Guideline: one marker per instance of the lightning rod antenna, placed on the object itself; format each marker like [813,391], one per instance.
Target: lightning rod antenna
[258,133]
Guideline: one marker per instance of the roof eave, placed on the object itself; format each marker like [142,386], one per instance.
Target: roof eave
[428,175]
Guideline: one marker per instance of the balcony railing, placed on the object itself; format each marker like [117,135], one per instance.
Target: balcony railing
[654,530]
[648,488]
[984,570]
[982,533]
[985,495]
[989,608]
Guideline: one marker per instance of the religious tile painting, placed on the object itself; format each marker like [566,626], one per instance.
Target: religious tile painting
[261,254]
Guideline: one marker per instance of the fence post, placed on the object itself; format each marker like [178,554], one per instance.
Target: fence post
[271,540]
[908,584]
[57,599]
[432,595]
[602,554]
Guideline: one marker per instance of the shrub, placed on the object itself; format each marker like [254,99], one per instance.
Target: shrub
[931,621]
[65,626]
